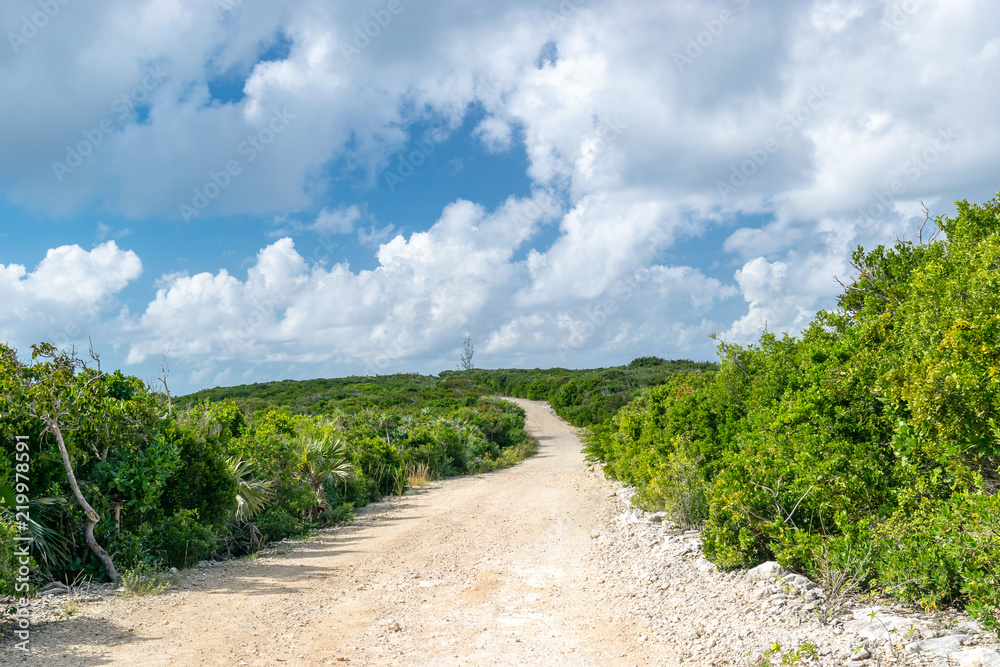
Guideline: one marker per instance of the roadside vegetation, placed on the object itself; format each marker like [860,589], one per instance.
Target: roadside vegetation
[584,397]
[866,450]
[122,482]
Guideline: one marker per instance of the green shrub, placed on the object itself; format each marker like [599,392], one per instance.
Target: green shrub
[380,466]
[126,549]
[276,524]
[179,540]
[144,579]
[423,446]
[679,486]
[945,552]
[203,482]
[641,362]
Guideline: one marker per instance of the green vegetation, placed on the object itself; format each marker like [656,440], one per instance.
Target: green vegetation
[864,451]
[121,480]
[584,397]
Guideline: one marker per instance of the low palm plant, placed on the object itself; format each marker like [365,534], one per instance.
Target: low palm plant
[321,462]
[48,545]
[252,495]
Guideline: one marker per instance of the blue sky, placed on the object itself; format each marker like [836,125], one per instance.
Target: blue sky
[308,189]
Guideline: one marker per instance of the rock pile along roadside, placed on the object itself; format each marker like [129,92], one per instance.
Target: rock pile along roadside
[743,617]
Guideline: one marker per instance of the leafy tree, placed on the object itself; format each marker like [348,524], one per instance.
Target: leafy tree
[52,391]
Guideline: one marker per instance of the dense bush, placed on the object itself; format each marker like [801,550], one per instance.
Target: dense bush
[178,540]
[277,524]
[871,439]
[939,553]
[172,486]
[203,482]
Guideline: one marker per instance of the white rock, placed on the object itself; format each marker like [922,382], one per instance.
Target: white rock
[942,646]
[765,571]
[800,582]
[880,628]
[861,654]
[704,566]
[976,657]
[54,588]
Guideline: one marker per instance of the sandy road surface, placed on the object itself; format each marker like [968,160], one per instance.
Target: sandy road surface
[491,569]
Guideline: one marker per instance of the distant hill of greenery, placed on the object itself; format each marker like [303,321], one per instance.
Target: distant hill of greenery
[582,397]
[585,397]
[409,390]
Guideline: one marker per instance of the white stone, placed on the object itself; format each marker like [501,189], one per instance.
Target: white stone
[765,571]
[942,646]
[704,566]
[976,657]
[861,654]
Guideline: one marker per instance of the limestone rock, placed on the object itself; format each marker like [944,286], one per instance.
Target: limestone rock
[765,571]
[976,657]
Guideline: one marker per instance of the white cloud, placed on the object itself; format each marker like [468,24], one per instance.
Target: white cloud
[339,221]
[494,133]
[826,119]
[66,294]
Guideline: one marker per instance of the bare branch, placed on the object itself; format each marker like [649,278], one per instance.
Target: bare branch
[94,355]
[927,216]
[164,372]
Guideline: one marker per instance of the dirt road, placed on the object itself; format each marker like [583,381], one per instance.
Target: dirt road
[491,569]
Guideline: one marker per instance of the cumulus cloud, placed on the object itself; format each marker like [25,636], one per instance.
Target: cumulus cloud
[65,295]
[425,288]
[802,129]
[339,221]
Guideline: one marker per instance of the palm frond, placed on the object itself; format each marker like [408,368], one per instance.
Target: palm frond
[252,495]
[47,544]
